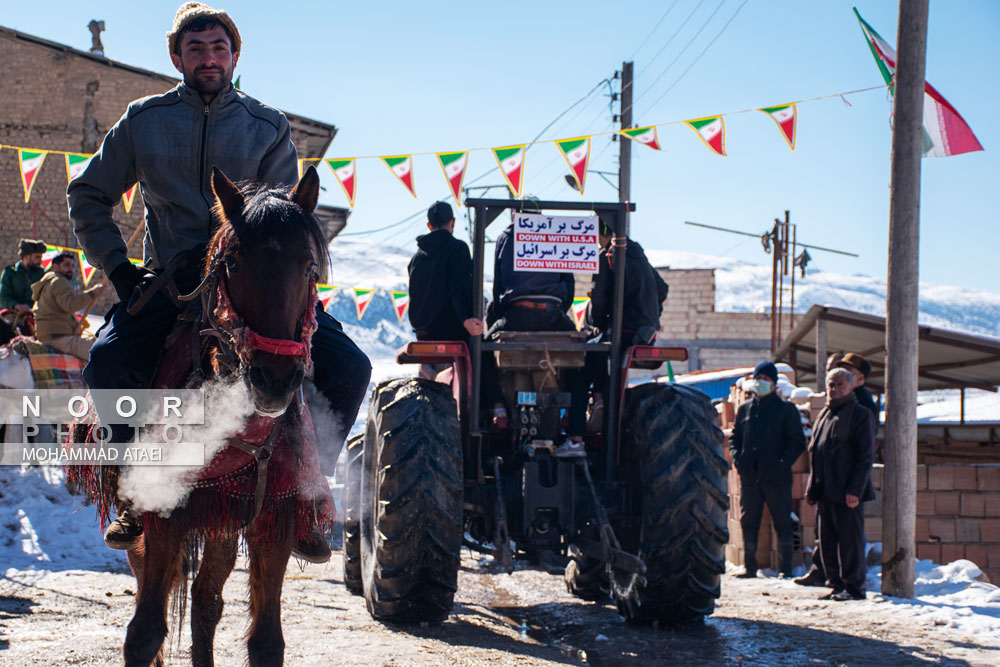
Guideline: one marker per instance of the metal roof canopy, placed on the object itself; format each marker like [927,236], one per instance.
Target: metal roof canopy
[948,359]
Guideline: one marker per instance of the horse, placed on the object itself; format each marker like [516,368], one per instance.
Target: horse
[258,297]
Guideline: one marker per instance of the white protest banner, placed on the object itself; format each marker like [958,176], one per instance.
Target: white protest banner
[557,244]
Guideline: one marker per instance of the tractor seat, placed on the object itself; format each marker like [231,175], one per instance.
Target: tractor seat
[535,350]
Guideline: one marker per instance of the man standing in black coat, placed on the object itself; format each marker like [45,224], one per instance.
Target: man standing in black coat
[842,452]
[860,369]
[767,439]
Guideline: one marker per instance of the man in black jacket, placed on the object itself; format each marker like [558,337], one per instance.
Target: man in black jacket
[842,451]
[442,265]
[767,439]
[441,298]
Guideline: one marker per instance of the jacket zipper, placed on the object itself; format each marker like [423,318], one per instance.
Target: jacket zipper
[201,161]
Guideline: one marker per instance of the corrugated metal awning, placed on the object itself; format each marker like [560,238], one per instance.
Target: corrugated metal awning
[947,359]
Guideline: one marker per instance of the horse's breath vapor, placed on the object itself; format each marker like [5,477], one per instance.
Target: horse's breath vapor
[329,428]
[164,487]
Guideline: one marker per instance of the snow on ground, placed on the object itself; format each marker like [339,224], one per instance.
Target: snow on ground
[944,406]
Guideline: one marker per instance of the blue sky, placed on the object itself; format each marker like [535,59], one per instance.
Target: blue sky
[405,77]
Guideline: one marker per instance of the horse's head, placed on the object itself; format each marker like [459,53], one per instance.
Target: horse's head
[267,254]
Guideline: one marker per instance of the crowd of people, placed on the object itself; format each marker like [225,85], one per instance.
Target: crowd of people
[768,438]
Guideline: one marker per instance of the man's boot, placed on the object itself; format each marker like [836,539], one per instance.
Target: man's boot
[785,557]
[813,578]
[749,560]
[314,548]
[124,532]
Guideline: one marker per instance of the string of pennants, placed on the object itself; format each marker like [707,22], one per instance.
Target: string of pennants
[362,297]
[711,130]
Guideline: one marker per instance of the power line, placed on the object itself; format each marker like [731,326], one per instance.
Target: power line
[681,53]
[643,43]
[704,51]
[669,41]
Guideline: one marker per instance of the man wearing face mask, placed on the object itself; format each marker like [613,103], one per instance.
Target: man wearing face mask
[767,439]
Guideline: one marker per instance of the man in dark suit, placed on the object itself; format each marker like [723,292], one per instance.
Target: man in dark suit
[766,441]
[842,452]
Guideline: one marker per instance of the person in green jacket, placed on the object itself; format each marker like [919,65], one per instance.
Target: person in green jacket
[17,279]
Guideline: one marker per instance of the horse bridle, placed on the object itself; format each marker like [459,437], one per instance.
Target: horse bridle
[238,340]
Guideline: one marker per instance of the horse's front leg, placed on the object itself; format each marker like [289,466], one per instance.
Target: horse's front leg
[158,571]
[206,597]
[265,643]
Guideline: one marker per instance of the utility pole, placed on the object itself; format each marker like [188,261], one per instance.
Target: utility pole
[900,491]
[625,145]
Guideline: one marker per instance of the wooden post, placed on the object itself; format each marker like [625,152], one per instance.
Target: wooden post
[961,405]
[900,491]
[820,355]
[774,285]
[625,145]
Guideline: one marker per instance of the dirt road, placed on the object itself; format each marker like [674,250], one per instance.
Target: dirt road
[527,618]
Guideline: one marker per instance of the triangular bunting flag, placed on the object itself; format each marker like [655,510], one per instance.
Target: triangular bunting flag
[644,135]
[75,164]
[945,131]
[712,132]
[362,299]
[86,268]
[577,154]
[325,294]
[30,162]
[402,168]
[135,262]
[344,170]
[786,117]
[580,310]
[50,252]
[511,162]
[400,303]
[236,84]
[128,197]
[453,165]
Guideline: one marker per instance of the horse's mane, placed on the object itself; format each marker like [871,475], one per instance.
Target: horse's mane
[269,212]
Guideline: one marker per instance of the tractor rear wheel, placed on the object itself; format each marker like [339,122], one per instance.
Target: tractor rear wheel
[670,432]
[411,501]
[352,514]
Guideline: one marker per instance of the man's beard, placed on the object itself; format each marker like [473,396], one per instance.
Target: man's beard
[212,87]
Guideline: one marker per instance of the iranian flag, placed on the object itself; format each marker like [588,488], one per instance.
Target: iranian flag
[402,168]
[400,303]
[50,252]
[644,135]
[453,165]
[577,154]
[30,162]
[86,268]
[128,197]
[362,299]
[580,310]
[945,131]
[75,164]
[325,293]
[786,117]
[712,131]
[511,162]
[344,170]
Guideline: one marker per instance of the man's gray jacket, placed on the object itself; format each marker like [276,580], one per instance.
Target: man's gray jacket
[168,144]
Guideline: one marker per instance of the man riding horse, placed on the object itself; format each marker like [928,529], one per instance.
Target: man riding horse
[169,144]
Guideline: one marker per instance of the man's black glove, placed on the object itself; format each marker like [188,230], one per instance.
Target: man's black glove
[124,279]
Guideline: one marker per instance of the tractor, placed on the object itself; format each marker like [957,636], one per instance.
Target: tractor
[640,520]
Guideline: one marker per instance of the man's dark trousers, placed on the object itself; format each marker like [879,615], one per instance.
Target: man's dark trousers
[842,543]
[777,493]
[128,350]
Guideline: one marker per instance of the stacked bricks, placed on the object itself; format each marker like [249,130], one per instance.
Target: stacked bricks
[958,514]
[689,314]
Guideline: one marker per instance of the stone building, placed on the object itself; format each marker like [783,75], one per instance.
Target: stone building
[59,98]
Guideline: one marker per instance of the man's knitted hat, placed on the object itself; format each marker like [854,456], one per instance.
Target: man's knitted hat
[767,369]
[30,246]
[190,11]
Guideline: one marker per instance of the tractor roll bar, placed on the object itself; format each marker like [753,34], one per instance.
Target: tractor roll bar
[615,216]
